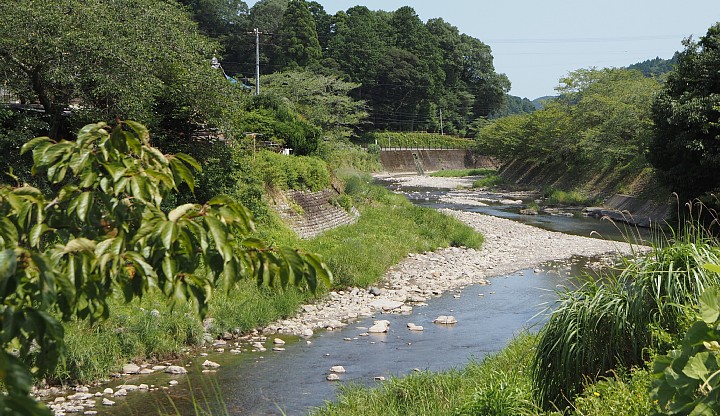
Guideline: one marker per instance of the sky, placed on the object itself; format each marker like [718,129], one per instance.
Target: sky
[535,43]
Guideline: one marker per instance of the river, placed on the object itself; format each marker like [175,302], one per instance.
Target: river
[293,381]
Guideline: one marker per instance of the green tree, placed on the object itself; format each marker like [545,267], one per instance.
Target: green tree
[297,37]
[106,231]
[611,112]
[322,100]
[109,61]
[686,146]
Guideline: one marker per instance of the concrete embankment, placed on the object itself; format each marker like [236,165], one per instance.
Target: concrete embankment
[647,204]
[429,160]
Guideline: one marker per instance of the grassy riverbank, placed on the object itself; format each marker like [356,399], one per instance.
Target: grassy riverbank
[389,228]
[603,351]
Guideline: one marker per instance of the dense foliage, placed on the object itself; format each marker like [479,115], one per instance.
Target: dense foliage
[101,61]
[685,148]
[599,127]
[106,230]
[416,140]
[408,70]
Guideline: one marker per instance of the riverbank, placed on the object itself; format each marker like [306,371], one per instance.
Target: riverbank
[508,246]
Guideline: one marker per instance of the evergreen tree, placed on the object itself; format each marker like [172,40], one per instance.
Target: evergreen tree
[298,38]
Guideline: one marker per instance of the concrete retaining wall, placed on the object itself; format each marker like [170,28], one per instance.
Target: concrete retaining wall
[629,209]
[423,160]
[312,213]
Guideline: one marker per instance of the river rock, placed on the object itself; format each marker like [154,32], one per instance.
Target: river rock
[337,369]
[79,396]
[107,402]
[176,369]
[386,304]
[332,377]
[131,368]
[379,327]
[278,341]
[120,393]
[108,390]
[411,326]
[128,387]
[174,382]
[210,364]
[445,320]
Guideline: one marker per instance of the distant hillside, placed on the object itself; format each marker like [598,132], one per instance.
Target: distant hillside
[655,67]
[540,102]
[514,105]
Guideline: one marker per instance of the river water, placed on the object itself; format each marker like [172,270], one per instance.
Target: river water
[293,381]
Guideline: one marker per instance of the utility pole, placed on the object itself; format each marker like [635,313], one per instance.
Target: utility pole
[441,124]
[257,61]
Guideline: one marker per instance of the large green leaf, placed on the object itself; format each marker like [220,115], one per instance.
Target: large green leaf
[8,267]
[84,205]
[710,305]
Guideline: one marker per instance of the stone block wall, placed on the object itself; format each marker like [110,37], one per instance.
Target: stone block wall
[312,213]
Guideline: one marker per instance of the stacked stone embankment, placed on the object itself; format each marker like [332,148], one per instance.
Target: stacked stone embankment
[312,213]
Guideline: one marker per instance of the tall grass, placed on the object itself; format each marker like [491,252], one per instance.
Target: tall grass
[612,323]
[488,181]
[500,384]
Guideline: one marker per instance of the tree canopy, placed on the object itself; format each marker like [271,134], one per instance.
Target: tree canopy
[686,143]
[104,61]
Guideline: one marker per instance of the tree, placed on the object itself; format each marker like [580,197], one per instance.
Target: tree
[686,144]
[323,100]
[298,38]
[106,230]
[108,61]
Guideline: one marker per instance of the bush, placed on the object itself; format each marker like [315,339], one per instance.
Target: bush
[291,172]
[488,181]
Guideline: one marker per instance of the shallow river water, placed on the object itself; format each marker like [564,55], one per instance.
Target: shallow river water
[293,381]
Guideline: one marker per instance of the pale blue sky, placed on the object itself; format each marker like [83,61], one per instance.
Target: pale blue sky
[535,43]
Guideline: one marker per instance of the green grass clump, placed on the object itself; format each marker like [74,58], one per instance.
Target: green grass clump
[500,384]
[458,173]
[572,198]
[142,329]
[488,181]
[613,323]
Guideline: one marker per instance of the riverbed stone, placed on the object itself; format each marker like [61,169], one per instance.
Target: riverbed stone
[107,402]
[210,364]
[332,377]
[175,369]
[386,304]
[337,369]
[445,320]
[379,327]
[131,368]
